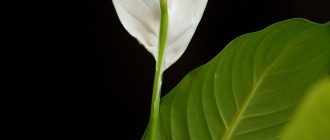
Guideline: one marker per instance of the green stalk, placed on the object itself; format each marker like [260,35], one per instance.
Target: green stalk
[153,122]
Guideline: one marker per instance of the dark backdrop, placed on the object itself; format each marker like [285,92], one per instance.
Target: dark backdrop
[113,73]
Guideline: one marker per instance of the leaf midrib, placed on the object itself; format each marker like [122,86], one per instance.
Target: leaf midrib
[237,117]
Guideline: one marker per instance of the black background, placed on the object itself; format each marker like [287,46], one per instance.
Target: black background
[114,73]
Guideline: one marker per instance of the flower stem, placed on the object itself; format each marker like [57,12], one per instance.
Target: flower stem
[153,122]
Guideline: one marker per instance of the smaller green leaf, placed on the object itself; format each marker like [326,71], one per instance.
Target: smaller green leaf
[312,120]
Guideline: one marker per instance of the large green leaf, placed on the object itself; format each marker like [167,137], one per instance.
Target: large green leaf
[250,90]
[312,121]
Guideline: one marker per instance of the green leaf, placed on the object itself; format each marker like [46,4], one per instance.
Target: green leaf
[312,121]
[251,89]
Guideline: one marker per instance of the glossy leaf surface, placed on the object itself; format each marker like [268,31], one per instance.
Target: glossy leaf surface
[312,121]
[251,89]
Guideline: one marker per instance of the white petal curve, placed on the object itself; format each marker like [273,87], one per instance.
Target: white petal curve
[141,18]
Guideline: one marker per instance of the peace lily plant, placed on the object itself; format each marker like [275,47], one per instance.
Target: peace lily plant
[165,29]
[249,91]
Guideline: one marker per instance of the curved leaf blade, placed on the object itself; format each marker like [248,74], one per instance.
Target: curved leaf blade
[312,120]
[250,90]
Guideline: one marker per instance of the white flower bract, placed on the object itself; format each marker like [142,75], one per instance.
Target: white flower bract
[141,18]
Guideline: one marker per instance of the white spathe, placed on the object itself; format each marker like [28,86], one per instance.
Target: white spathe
[141,18]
